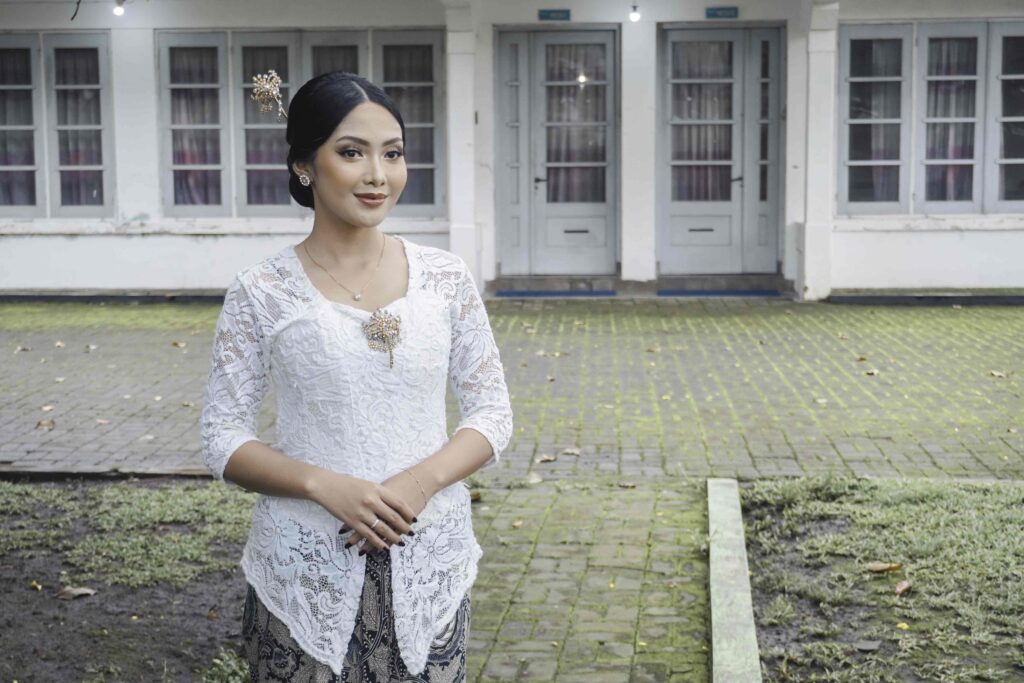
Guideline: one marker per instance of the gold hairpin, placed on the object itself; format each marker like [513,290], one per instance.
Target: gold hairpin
[266,91]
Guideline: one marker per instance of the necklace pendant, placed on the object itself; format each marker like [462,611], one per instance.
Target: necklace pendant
[357,297]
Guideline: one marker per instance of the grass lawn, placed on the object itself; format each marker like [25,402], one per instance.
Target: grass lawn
[866,580]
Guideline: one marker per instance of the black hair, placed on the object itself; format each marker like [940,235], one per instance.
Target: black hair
[317,109]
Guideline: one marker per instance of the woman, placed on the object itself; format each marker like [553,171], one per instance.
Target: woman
[361,553]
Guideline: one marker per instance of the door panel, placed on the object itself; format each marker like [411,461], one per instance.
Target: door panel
[559,218]
[721,129]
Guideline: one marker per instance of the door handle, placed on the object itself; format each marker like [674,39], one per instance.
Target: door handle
[735,179]
[540,180]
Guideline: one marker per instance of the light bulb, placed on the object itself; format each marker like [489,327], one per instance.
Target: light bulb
[635,14]
[119,8]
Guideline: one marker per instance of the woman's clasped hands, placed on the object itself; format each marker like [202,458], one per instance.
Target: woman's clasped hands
[358,503]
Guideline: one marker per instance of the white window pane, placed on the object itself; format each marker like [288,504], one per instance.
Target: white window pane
[875,141]
[702,100]
[949,141]
[1011,181]
[328,58]
[1013,55]
[76,66]
[575,143]
[702,59]
[197,187]
[949,183]
[875,100]
[572,103]
[419,188]
[195,146]
[951,99]
[1013,141]
[17,188]
[80,147]
[260,59]
[952,56]
[415,104]
[1013,97]
[419,145]
[195,105]
[15,66]
[266,146]
[575,62]
[81,188]
[15,107]
[575,185]
[78,107]
[702,142]
[701,183]
[267,187]
[193,65]
[874,183]
[408,63]
[17,148]
[876,57]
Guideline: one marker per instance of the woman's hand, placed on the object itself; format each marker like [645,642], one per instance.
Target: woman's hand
[357,502]
[406,488]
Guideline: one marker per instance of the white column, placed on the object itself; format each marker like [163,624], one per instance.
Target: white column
[816,243]
[137,160]
[637,221]
[460,127]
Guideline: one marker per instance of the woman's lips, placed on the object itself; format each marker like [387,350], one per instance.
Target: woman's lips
[371,202]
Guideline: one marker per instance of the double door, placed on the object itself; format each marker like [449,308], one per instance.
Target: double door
[721,152]
[556,133]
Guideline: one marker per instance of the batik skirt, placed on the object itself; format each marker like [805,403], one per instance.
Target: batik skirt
[373,654]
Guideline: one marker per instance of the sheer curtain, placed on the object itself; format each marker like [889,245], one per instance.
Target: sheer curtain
[408,78]
[577,121]
[876,93]
[951,98]
[700,105]
[266,149]
[195,125]
[17,147]
[79,126]
[1011,177]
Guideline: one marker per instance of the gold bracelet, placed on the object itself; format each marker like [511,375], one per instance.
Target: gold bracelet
[418,484]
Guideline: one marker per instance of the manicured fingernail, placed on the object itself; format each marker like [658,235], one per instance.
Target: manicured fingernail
[362,552]
[414,519]
[401,543]
[411,532]
[348,545]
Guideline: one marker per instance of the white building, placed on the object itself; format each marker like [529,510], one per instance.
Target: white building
[819,145]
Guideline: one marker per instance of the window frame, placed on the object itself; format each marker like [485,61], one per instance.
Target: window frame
[100,41]
[994,118]
[165,40]
[847,34]
[297,75]
[31,41]
[925,31]
[435,38]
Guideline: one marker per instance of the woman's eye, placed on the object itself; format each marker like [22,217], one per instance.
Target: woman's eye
[398,154]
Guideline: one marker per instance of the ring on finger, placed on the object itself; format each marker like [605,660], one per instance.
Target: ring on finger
[375,522]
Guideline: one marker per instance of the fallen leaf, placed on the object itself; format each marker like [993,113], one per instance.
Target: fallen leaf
[46,424]
[884,566]
[872,371]
[179,344]
[903,625]
[551,378]
[46,408]
[146,437]
[213,614]
[187,404]
[22,348]
[158,398]
[821,400]
[72,592]
[474,496]
[534,478]
[544,457]
[570,451]
[841,335]
[59,344]
[902,587]
[90,347]
[627,485]
[58,379]
[996,373]
[516,524]
[654,349]
[102,421]
[861,359]
[35,584]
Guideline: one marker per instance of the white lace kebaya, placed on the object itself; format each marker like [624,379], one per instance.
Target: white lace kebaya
[340,406]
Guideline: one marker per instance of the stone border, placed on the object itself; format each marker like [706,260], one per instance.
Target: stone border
[734,651]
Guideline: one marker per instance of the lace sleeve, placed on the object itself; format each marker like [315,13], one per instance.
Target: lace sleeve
[475,370]
[237,380]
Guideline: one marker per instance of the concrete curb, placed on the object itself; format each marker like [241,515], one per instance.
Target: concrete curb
[734,652]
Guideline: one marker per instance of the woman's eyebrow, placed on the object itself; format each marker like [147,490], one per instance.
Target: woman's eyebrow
[364,142]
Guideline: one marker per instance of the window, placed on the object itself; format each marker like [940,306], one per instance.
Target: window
[61,105]
[874,104]
[206,81]
[966,142]
[21,143]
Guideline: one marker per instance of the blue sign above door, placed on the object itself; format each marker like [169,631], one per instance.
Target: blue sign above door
[721,12]
[553,15]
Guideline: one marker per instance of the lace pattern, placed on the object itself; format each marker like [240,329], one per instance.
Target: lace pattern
[341,407]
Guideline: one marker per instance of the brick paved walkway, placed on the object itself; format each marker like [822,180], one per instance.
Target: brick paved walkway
[722,387]
[597,572]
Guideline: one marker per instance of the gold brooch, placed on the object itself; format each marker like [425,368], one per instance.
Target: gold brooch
[382,332]
[267,90]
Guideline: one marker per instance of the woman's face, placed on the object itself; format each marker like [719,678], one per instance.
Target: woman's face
[364,155]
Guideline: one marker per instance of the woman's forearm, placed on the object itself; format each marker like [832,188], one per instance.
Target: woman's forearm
[258,467]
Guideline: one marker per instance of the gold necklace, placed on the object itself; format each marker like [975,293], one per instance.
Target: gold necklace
[355,295]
